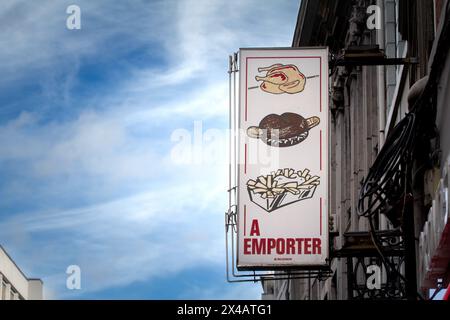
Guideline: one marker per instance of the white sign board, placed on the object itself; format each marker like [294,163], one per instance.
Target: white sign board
[283,158]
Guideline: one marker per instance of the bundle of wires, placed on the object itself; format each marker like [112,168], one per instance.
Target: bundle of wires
[385,184]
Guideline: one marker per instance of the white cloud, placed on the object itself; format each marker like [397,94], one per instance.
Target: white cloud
[103,144]
[34,34]
[90,145]
[132,239]
[204,104]
[166,218]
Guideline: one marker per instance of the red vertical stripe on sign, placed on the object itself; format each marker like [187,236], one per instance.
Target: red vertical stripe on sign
[320,147]
[245,220]
[320,215]
[245,159]
[320,80]
[246,86]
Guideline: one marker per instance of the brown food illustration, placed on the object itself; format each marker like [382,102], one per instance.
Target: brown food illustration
[282,79]
[283,130]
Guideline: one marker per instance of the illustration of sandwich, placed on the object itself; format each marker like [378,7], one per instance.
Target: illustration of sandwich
[284,130]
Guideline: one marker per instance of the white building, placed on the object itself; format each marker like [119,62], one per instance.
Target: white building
[14,285]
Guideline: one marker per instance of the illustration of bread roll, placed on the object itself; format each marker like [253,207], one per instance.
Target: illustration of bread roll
[284,130]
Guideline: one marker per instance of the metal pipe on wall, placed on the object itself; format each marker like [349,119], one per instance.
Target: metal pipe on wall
[381,95]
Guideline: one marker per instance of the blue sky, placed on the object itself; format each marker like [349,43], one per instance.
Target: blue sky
[89,122]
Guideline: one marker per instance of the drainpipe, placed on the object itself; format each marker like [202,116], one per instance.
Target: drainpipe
[381,96]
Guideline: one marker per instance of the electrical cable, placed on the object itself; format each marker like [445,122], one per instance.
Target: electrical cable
[386,177]
[383,186]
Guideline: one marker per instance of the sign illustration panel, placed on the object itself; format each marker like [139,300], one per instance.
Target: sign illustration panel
[283,196]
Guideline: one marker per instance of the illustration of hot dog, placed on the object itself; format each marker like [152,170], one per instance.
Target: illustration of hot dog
[284,130]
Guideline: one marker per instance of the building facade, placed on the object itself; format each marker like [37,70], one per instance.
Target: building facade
[389,99]
[14,285]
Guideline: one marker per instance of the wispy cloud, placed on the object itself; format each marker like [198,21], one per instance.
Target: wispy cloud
[88,179]
[126,240]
